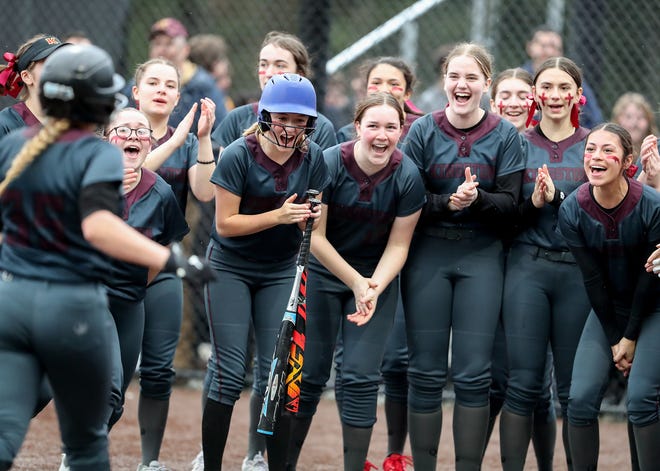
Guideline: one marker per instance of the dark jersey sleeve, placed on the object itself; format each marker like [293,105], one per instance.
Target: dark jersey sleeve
[100,196]
[503,201]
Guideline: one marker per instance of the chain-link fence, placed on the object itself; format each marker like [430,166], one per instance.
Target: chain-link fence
[616,42]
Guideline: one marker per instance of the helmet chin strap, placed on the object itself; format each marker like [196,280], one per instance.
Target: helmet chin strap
[270,136]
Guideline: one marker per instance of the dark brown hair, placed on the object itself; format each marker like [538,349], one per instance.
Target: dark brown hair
[378,99]
[563,64]
[295,46]
[622,133]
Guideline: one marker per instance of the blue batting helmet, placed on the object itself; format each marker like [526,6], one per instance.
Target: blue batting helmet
[287,93]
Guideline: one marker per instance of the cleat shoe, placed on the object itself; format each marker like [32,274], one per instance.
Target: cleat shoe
[368,466]
[63,465]
[198,462]
[257,463]
[397,462]
[153,466]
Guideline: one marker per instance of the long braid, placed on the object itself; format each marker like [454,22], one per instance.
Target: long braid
[33,148]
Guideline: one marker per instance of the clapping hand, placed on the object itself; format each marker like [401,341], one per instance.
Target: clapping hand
[466,193]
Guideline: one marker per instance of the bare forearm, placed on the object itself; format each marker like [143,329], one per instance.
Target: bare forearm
[157,157]
[200,184]
[389,266]
[246,224]
[112,236]
[323,250]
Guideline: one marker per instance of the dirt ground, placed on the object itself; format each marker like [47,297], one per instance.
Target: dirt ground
[322,451]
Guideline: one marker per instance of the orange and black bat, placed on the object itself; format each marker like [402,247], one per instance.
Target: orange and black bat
[285,376]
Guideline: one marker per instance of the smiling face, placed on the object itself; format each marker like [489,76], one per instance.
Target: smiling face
[555,92]
[287,129]
[135,148]
[157,92]
[379,130]
[464,84]
[274,60]
[605,158]
[511,101]
[388,79]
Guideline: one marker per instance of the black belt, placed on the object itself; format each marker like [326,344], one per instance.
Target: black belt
[561,256]
[450,233]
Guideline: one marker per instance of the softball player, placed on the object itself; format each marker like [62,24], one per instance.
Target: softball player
[151,208]
[394,76]
[611,224]
[20,79]
[472,164]
[59,196]
[371,206]
[280,53]
[185,162]
[510,93]
[390,75]
[260,182]
[542,281]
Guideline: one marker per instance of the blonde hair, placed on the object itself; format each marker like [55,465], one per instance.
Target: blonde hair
[33,148]
[251,130]
[638,100]
[141,69]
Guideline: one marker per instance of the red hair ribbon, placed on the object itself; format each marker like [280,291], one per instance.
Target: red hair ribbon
[631,171]
[10,80]
[530,113]
[575,111]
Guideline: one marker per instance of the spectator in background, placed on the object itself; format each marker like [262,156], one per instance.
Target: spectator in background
[210,51]
[546,42]
[634,113]
[76,37]
[435,97]
[168,39]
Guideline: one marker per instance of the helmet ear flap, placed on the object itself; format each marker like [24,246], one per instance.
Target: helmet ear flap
[264,121]
[311,122]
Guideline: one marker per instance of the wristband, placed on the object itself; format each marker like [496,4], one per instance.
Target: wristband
[558,197]
[207,162]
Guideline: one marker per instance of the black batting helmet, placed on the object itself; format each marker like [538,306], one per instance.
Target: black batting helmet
[79,82]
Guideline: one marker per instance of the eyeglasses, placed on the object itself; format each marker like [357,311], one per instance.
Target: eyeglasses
[125,132]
